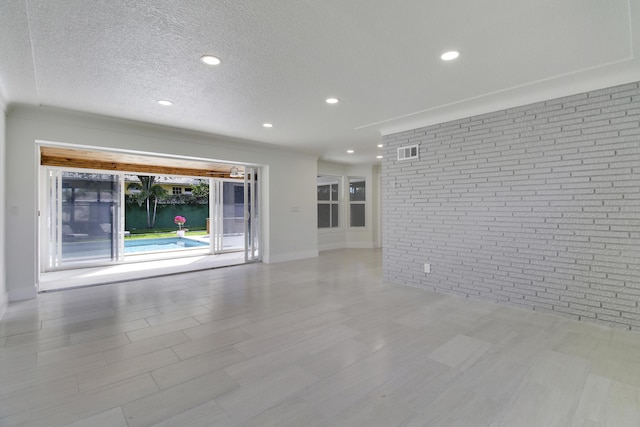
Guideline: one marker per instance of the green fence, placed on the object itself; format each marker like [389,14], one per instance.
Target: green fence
[136,217]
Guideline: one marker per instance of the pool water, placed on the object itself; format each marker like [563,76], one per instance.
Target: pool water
[164,244]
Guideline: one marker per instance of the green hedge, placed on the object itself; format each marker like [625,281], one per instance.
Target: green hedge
[136,217]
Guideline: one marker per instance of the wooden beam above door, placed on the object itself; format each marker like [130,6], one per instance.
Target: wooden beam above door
[132,163]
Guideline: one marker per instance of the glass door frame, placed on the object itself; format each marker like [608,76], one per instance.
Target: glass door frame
[217,226]
[251,218]
[50,234]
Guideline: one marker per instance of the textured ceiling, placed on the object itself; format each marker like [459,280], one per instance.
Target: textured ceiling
[282,58]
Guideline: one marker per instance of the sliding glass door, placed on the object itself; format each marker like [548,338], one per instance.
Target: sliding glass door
[84,219]
[252,229]
[229,208]
[236,225]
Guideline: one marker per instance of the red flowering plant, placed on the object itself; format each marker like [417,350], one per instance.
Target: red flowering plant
[180,220]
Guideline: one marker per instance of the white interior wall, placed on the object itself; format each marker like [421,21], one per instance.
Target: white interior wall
[3,240]
[288,181]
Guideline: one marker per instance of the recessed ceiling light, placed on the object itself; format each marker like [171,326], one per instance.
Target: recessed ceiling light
[380,145]
[210,60]
[448,56]
[267,125]
[378,157]
[350,151]
[332,100]
[165,102]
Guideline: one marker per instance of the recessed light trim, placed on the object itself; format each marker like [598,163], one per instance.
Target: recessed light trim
[165,102]
[210,60]
[332,100]
[450,55]
[350,151]
[267,125]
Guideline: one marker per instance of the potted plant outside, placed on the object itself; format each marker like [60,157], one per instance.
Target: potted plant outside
[180,220]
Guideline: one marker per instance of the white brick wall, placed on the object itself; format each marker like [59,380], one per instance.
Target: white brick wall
[537,206]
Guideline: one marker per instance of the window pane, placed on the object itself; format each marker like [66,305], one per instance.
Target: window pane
[324,216]
[238,194]
[232,215]
[323,192]
[334,192]
[357,190]
[87,218]
[334,215]
[357,215]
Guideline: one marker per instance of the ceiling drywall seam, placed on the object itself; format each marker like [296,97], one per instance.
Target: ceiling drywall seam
[32,51]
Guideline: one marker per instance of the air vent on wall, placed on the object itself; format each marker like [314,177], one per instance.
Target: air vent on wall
[408,153]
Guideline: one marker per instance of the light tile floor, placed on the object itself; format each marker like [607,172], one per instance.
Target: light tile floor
[136,267]
[318,342]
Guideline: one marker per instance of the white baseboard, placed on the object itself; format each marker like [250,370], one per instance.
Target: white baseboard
[3,305]
[347,245]
[292,256]
[359,245]
[331,246]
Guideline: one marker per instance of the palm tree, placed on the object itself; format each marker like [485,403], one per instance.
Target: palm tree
[147,190]
[158,193]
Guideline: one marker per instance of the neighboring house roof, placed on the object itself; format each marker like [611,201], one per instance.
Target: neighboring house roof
[169,180]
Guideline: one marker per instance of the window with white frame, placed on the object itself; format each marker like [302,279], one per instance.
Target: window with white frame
[328,201]
[176,190]
[357,201]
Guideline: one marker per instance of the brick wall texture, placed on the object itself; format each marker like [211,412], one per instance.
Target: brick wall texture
[535,206]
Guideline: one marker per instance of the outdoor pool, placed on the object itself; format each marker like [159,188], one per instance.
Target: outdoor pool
[164,244]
